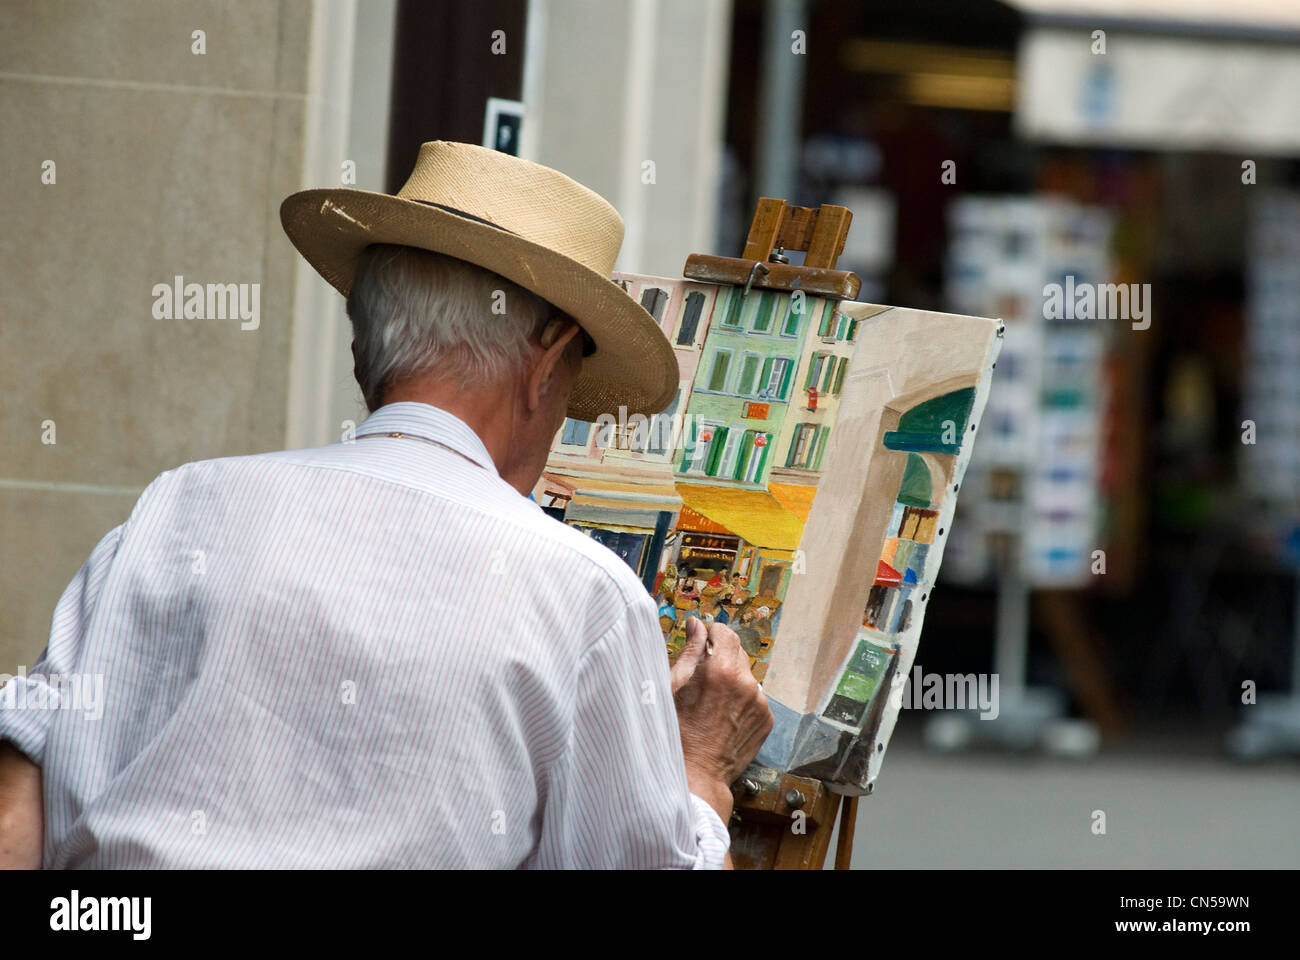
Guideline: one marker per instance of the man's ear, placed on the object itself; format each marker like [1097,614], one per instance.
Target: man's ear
[544,369]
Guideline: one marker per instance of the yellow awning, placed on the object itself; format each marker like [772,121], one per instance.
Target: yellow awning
[795,497]
[753,515]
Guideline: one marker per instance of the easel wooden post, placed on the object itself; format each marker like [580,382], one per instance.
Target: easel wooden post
[780,821]
[778,227]
[768,833]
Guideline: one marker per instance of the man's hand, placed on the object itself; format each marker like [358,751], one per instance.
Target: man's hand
[721,710]
[22,817]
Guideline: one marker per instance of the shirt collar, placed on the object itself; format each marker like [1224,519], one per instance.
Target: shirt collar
[429,423]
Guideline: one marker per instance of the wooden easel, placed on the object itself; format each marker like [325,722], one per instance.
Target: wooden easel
[778,227]
[768,834]
[780,821]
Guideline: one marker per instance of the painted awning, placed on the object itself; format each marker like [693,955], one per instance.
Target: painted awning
[694,520]
[796,497]
[937,425]
[621,495]
[753,515]
[887,576]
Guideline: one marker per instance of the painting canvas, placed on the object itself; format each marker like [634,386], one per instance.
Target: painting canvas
[799,488]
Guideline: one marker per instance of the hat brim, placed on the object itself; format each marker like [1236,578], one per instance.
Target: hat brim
[633,364]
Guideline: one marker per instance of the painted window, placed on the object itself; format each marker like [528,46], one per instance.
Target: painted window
[839,375]
[732,317]
[774,381]
[660,433]
[751,456]
[575,432]
[815,370]
[828,375]
[763,315]
[727,464]
[655,299]
[717,448]
[690,318]
[800,445]
[790,328]
[628,545]
[721,367]
[690,446]
[748,374]
[826,327]
[704,440]
[820,443]
[749,459]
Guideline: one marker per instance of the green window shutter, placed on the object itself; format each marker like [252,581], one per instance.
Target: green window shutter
[692,434]
[763,315]
[716,449]
[839,375]
[829,375]
[742,458]
[732,316]
[748,371]
[821,441]
[823,329]
[766,374]
[762,459]
[786,378]
[794,446]
[718,376]
[791,327]
[812,371]
[843,330]
[853,330]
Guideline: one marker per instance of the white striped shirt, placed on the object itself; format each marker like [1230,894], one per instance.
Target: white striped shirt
[371,654]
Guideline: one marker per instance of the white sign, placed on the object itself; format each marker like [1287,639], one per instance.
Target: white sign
[1165,93]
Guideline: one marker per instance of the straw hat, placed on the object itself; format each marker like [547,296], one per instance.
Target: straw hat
[528,223]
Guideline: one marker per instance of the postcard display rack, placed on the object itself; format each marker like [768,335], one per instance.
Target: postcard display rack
[1270,468]
[1030,512]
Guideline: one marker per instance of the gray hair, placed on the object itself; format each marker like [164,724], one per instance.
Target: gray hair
[413,310]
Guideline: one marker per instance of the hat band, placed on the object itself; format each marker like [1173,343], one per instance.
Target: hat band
[462,213]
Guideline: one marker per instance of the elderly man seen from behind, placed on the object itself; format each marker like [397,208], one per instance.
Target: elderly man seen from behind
[391,657]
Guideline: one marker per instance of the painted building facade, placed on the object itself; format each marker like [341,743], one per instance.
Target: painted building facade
[707,501]
[614,480]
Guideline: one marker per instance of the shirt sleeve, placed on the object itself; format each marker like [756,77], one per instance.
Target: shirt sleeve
[619,798]
[29,701]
